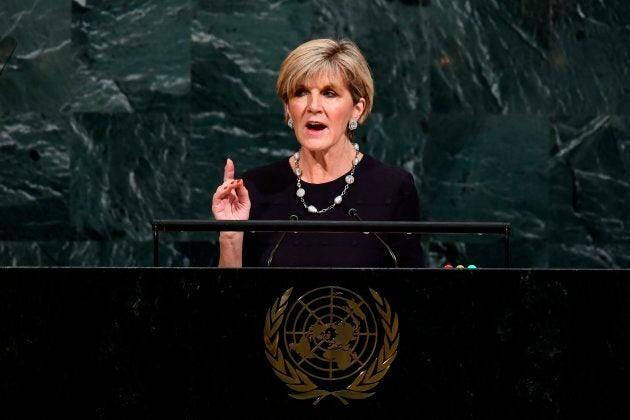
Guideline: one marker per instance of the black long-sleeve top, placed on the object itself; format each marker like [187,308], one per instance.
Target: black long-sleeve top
[381,192]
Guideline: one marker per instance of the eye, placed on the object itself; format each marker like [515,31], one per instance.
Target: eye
[300,92]
[330,93]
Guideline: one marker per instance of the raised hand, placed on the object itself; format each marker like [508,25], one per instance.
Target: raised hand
[231,200]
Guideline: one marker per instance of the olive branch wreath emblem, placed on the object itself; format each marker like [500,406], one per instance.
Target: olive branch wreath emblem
[304,388]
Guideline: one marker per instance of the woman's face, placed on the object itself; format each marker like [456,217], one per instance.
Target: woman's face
[321,110]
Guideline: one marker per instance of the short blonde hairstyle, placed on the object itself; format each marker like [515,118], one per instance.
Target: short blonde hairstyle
[328,57]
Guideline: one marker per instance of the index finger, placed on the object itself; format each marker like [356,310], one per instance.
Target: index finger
[228,171]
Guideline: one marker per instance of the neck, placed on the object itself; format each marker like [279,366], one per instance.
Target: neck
[300,192]
[324,166]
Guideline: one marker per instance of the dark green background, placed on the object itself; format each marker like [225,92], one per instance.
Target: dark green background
[514,111]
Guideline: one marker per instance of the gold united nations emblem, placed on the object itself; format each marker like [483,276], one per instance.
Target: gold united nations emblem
[330,342]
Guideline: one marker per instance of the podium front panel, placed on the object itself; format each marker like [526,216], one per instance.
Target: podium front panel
[314,343]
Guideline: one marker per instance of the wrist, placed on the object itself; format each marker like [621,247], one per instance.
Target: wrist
[226,238]
[230,249]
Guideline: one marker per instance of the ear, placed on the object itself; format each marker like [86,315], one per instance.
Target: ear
[286,112]
[358,109]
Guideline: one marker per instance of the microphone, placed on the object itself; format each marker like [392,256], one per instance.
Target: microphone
[275,248]
[7,46]
[354,213]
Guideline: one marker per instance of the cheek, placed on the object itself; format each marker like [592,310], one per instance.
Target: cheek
[342,114]
[296,104]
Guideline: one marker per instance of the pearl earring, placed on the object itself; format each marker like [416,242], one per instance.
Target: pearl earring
[290,123]
[352,125]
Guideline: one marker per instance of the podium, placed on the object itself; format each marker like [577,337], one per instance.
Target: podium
[195,343]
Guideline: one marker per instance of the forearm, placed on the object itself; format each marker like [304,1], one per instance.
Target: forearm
[230,249]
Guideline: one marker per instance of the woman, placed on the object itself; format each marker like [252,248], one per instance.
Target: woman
[327,90]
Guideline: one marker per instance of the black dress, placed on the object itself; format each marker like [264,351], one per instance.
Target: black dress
[380,193]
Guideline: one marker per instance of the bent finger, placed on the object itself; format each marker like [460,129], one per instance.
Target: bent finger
[224,190]
[241,191]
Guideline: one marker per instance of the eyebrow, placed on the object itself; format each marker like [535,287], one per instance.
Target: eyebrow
[332,86]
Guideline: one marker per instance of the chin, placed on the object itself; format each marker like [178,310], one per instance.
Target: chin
[315,144]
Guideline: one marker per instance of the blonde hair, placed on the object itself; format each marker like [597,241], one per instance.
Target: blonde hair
[328,57]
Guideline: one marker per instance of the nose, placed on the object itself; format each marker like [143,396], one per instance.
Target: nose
[314,104]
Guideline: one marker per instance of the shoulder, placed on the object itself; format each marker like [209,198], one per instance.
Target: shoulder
[269,179]
[385,192]
[377,181]
[385,172]
[279,167]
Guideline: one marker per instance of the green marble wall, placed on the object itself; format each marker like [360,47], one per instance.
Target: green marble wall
[113,113]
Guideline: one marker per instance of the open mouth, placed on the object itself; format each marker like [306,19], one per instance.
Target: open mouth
[315,126]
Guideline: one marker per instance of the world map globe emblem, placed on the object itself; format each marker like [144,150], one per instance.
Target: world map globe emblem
[331,333]
[331,342]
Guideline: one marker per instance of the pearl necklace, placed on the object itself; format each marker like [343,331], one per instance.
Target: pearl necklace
[349,180]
